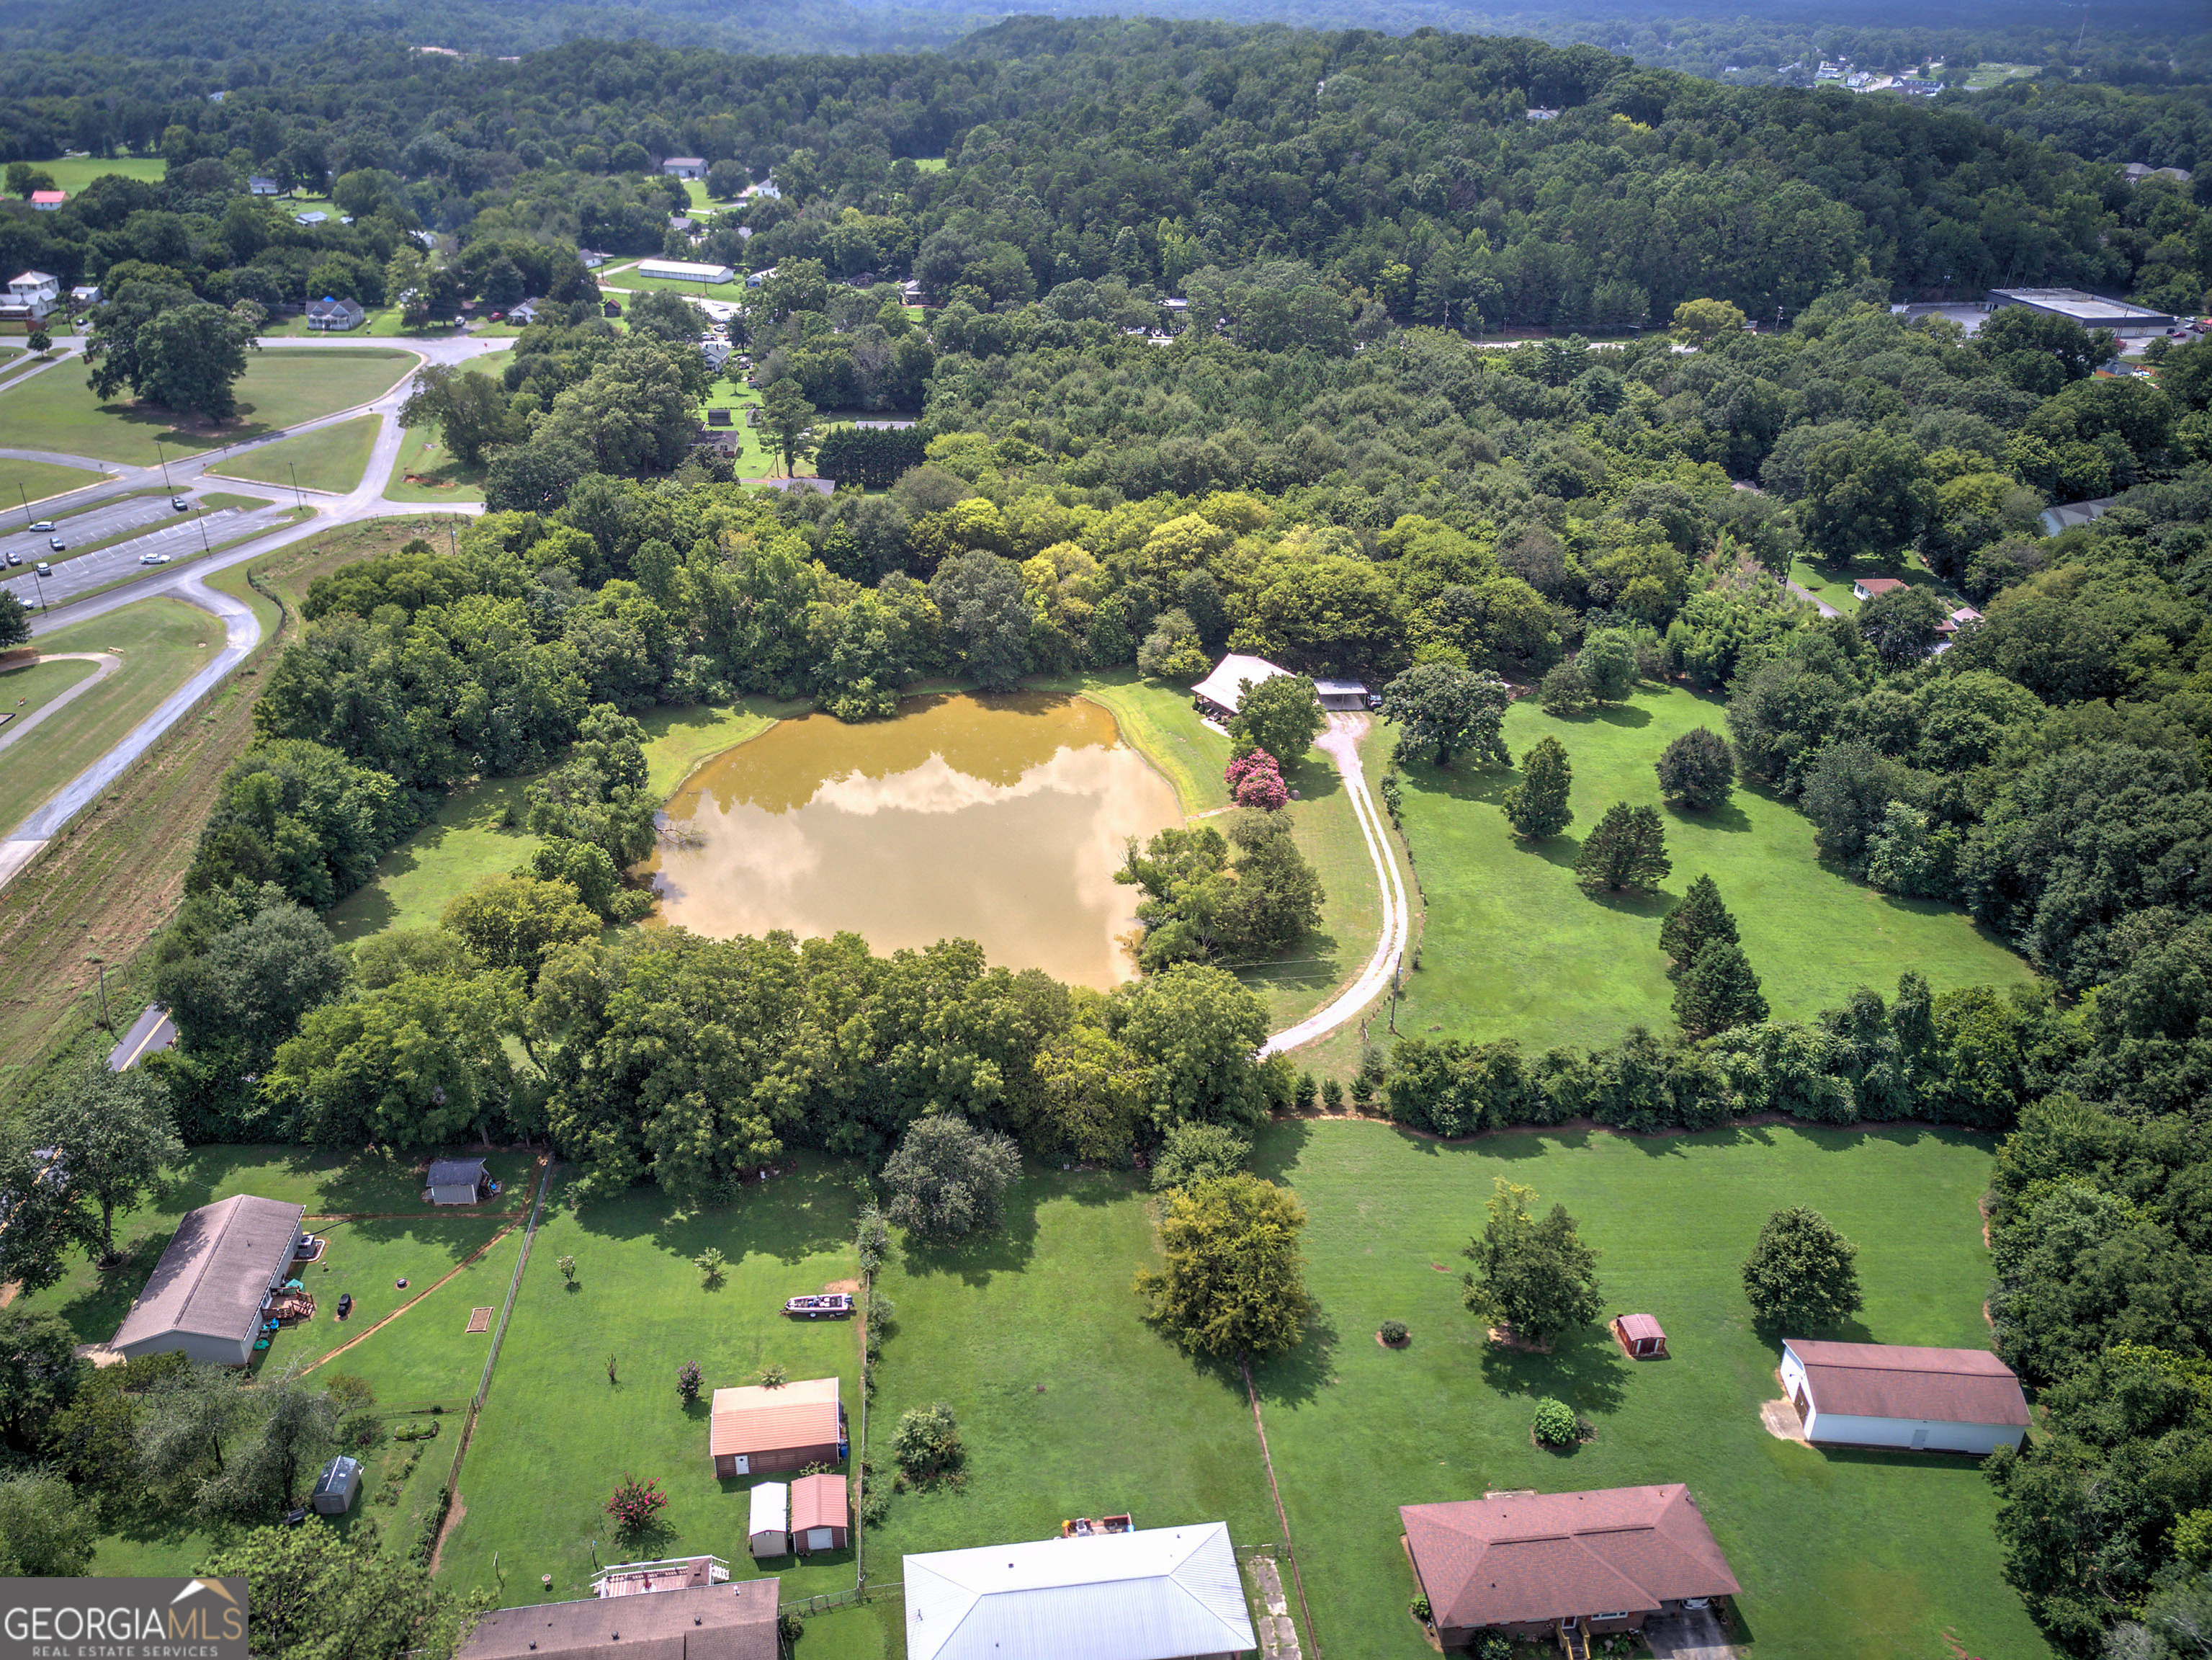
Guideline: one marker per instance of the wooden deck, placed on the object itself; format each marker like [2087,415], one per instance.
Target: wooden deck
[676,1574]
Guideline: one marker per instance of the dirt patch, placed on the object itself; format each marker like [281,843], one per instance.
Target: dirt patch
[1503,1337]
[1781,1421]
[99,1354]
[852,1287]
[8,1292]
[454,1512]
[1403,1342]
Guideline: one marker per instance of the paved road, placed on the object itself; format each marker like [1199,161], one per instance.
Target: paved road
[243,632]
[108,664]
[1341,742]
[1824,607]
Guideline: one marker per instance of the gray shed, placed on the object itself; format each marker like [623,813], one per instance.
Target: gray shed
[340,1483]
[456,1181]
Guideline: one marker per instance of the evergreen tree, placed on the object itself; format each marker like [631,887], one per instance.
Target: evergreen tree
[1718,992]
[1700,919]
[1537,806]
[1628,849]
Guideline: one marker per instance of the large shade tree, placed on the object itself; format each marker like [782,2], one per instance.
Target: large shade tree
[1234,1282]
[1532,1275]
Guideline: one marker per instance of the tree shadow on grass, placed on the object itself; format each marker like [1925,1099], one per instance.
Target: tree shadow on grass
[1313,776]
[1623,714]
[1295,1377]
[1463,781]
[1650,904]
[1727,817]
[1278,1147]
[808,1211]
[1008,1249]
[1585,1369]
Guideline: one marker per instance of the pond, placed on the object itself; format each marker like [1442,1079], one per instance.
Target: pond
[1000,819]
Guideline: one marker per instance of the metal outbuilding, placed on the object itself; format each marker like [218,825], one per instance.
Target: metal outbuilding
[769,1531]
[1161,1593]
[339,1485]
[205,1296]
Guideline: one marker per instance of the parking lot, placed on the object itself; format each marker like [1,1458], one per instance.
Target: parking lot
[79,573]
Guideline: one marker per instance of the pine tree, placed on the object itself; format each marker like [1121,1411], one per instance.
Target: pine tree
[1537,806]
[1719,992]
[1700,919]
[1628,849]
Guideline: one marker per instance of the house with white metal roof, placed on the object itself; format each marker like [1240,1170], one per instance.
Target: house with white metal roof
[1223,691]
[1160,1594]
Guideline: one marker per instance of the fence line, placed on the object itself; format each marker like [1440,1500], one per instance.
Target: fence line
[499,1336]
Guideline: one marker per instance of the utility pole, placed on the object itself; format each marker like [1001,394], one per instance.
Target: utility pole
[298,500]
[164,454]
[104,1020]
[38,582]
[20,491]
[206,546]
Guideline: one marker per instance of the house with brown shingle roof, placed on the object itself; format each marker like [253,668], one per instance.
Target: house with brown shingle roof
[710,1622]
[755,1430]
[1886,1394]
[1573,1563]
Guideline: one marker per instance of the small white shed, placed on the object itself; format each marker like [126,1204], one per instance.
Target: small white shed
[336,1490]
[1882,1394]
[768,1533]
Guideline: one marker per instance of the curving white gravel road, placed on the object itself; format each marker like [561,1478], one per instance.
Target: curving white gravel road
[1341,742]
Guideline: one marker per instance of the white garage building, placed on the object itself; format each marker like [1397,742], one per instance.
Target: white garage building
[206,1295]
[1880,1394]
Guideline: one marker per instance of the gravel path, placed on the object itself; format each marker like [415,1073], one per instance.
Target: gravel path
[1341,742]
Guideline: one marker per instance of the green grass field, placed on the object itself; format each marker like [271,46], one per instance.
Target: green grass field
[31,685]
[329,458]
[1839,1553]
[1515,949]
[753,458]
[1069,1403]
[1157,717]
[625,276]
[57,411]
[555,1435]
[37,480]
[476,834]
[73,172]
[471,837]
[161,641]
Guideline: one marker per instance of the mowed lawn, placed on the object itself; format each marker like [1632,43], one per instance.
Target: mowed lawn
[555,1435]
[36,479]
[161,642]
[55,411]
[478,829]
[1069,1403]
[1842,1555]
[1514,948]
[331,458]
[424,470]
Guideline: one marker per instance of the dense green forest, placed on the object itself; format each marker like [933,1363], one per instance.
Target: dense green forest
[1321,452]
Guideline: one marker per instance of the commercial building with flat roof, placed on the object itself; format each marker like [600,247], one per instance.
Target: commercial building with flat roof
[684,271]
[2090,311]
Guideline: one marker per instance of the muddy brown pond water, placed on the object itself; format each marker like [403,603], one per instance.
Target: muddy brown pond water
[999,820]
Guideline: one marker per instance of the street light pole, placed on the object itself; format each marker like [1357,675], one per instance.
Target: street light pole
[20,491]
[38,583]
[298,500]
[164,454]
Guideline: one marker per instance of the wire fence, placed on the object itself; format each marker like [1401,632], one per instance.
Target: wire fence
[498,1337]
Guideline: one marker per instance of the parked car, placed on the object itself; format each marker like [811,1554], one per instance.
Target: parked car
[153,557]
[43,568]
[57,544]
[829,1305]
[14,558]
[178,503]
[43,524]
